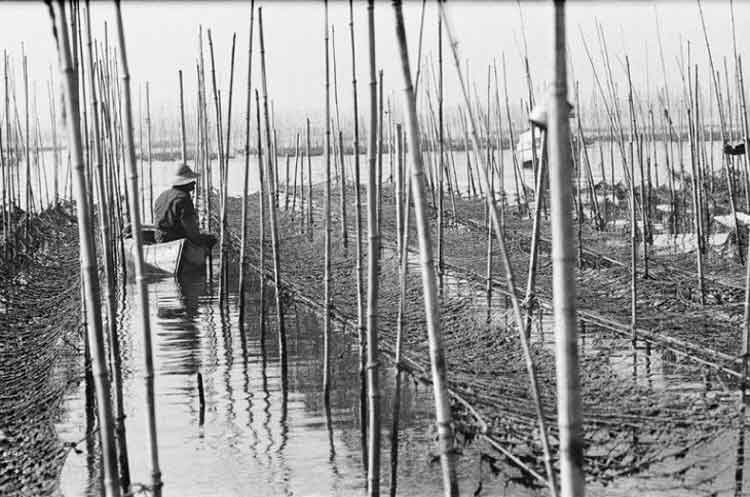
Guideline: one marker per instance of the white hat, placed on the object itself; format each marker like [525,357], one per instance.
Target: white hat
[183,175]
[539,115]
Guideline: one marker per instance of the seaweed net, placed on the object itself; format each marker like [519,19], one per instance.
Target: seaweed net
[630,426]
[39,341]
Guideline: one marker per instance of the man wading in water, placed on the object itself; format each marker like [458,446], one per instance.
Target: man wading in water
[174,212]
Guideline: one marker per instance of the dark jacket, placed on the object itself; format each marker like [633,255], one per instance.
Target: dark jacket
[175,218]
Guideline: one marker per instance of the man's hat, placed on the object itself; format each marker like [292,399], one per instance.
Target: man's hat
[183,175]
[539,115]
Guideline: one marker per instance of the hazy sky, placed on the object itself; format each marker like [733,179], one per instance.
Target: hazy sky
[163,37]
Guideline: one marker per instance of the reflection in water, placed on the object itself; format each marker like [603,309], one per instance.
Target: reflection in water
[257,429]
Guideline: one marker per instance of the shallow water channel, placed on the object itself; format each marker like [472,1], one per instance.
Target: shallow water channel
[253,439]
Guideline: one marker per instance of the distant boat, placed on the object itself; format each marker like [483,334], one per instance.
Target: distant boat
[175,257]
[523,148]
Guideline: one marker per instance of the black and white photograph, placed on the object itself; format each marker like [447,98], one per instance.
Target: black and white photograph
[397,248]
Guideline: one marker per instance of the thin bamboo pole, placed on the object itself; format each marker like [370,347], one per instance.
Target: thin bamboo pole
[358,254]
[183,144]
[569,411]
[273,206]
[223,290]
[403,237]
[441,158]
[374,156]
[693,134]
[327,224]
[294,175]
[633,224]
[88,255]
[143,303]
[261,220]
[150,156]
[245,178]
[309,179]
[432,309]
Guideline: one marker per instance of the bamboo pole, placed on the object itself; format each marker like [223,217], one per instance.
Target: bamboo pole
[403,236]
[309,179]
[88,255]
[243,242]
[358,254]
[432,309]
[261,220]
[327,225]
[273,206]
[569,412]
[441,158]
[183,144]
[143,303]
[294,176]
[633,225]
[506,261]
[692,134]
[150,157]
[223,290]
[374,156]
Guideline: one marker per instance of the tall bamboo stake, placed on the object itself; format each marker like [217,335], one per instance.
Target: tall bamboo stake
[441,158]
[135,220]
[88,255]
[432,309]
[225,184]
[358,254]
[261,220]
[309,179]
[373,249]
[569,412]
[633,225]
[403,237]
[183,144]
[150,157]
[510,281]
[273,206]
[245,178]
[327,225]
[693,133]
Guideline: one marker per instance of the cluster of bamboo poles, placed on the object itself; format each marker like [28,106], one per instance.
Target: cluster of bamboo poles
[102,169]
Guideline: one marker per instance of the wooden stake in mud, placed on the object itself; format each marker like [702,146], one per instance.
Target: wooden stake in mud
[135,221]
[495,219]
[373,260]
[358,255]
[88,255]
[243,241]
[327,226]
[273,206]
[342,166]
[432,308]
[569,412]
